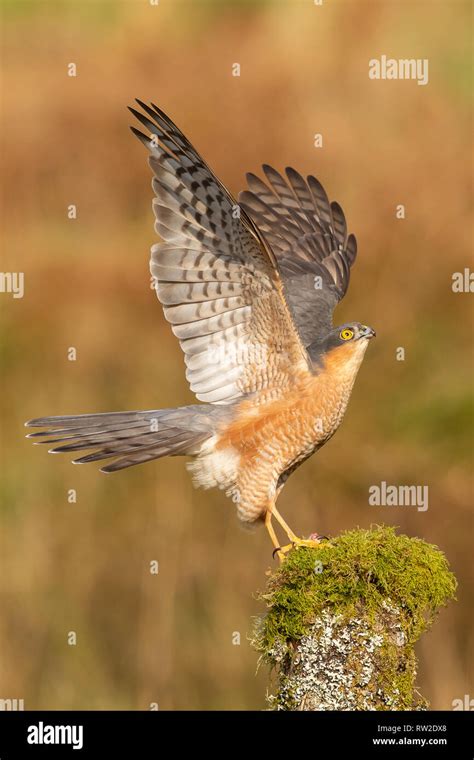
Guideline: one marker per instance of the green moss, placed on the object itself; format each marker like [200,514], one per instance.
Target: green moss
[377,592]
[354,574]
[396,676]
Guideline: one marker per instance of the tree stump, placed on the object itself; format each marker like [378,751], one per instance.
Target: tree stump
[343,619]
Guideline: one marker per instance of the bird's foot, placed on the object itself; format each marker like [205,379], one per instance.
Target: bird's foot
[313,542]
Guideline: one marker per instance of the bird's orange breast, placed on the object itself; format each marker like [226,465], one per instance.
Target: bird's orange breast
[307,414]
[274,431]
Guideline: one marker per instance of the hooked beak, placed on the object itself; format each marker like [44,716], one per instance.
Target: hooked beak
[367,332]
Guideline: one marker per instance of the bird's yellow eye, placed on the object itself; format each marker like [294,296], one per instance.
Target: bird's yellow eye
[346,334]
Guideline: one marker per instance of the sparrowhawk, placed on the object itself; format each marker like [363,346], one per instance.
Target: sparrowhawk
[249,289]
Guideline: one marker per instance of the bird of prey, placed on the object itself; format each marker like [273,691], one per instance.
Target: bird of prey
[249,289]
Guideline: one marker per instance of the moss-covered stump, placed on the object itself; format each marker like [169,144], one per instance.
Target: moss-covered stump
[343,619]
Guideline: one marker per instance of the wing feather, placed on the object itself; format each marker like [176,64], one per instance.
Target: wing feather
[216,275]
[308,235]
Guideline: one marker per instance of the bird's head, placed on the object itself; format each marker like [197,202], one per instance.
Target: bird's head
[348,341]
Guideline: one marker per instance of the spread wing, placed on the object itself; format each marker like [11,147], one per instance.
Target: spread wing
[214,275]
[308,236]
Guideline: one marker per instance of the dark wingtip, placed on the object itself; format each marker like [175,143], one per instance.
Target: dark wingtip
[135,112]
[159,111]
[143,138]
[291,172]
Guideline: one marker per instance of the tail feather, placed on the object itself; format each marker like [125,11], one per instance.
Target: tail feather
[87,436]
[70,432]
[130,437]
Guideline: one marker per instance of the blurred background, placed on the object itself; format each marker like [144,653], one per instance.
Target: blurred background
[85,567]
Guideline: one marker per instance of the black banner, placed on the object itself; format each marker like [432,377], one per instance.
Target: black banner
[146,734]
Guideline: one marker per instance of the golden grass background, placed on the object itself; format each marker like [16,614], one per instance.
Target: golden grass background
[84,567]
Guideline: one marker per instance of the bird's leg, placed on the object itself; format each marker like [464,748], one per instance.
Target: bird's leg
[292,536]
[271,532]
[294,539]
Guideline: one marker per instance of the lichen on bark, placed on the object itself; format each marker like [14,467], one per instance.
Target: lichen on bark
[342,621]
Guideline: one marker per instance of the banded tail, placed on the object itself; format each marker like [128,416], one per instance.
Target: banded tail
[131,438]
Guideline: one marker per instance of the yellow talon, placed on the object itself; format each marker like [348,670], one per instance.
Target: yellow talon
[313,542]
[297,542]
